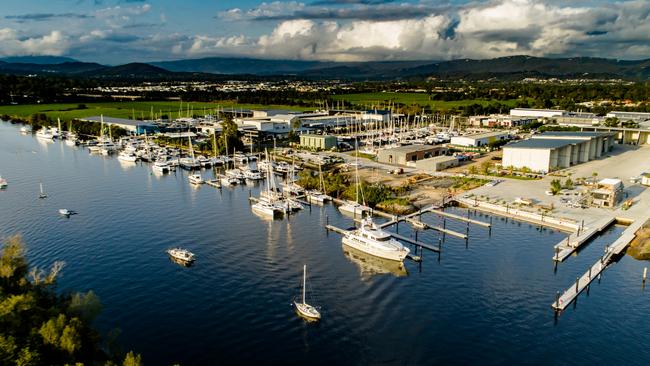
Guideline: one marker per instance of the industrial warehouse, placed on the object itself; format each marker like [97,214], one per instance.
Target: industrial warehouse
[557,150]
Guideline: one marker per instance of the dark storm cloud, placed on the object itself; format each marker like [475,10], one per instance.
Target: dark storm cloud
[375,13]
[39,17]
[352,2]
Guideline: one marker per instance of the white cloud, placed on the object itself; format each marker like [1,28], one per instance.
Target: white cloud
[53,43]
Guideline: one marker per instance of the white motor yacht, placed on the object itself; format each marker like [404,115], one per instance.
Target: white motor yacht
[371,239]
[252,174]
[3,183]
[315,196]
[195,179]
[160,166]
[182,255]
[45,134]
[127,157]
[25,130]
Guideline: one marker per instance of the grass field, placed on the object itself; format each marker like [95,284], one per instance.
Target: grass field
[379,100]
[126,109]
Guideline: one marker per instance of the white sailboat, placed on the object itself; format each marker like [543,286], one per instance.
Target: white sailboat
[319,196]
[43,194]
[371,239]
[354,207]
[270,202]
[303,309]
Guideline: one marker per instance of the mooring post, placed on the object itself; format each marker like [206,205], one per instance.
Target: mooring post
[577,284]
[327,220]
[557,253]
[557,299]
[397,227]
[416,235]
[589,275]
[645,274]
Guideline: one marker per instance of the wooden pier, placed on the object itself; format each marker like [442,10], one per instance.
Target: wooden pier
[575,240]
[570,294]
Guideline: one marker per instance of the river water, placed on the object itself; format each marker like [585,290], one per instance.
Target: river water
[484,303]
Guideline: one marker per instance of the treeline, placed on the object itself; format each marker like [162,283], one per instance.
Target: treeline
[38,326]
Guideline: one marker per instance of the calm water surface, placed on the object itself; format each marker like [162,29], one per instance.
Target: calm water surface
[488,303]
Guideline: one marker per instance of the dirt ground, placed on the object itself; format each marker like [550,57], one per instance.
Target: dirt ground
[478,161]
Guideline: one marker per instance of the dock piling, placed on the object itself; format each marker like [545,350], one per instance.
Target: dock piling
[645,274]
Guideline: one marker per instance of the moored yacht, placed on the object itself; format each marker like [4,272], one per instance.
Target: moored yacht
[127,157]
[3,183]
[195,179]
[371,239]
[45,134]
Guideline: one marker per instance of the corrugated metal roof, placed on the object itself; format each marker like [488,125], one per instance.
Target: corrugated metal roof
[542,144]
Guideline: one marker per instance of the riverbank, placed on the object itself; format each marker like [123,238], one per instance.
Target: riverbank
[640,247]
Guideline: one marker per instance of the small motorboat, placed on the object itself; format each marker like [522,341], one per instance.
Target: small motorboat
[195,179]
[181,255]
[65,212]
[3,183]
[42,194]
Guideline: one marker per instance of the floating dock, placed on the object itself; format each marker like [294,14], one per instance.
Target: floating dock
[575,240]
[570,294]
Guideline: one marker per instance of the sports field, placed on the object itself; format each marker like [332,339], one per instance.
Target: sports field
[139,109]
[380,100]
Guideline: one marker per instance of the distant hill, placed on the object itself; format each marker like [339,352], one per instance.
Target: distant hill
[234,66]
[66,68]
[41,60]
[213,68]
[133,70]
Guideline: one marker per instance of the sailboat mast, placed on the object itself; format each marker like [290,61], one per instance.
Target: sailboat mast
[304,282]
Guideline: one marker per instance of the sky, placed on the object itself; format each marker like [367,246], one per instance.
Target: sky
[120,31]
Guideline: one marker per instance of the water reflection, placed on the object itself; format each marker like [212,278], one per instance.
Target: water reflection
[370,265]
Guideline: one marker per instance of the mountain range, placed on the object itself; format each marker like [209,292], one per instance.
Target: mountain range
[503,68]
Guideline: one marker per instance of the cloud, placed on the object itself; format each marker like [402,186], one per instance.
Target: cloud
[54,43]
[387,30]
[45,16]
[350,2]
[377,10]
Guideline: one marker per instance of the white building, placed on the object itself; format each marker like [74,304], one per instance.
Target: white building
[557,150]
[539,113]
[499,120]
[479,139]
[627,116]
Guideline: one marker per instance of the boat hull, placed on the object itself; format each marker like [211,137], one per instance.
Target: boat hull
[393,255]
[306,311]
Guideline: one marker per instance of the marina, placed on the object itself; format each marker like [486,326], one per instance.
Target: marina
[236,295]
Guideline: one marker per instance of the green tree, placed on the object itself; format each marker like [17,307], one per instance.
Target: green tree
[472,169]
[40,326]
[556,186]
[568,183]
[486,166]
[132,359]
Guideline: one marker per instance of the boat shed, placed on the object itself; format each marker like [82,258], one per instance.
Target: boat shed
[437,163]
[403,154]
[324,142]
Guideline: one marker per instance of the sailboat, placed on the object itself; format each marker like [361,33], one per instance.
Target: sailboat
[270,202]
[303,309]
[319,196]
[43,194]
[190,162]
[354,207]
